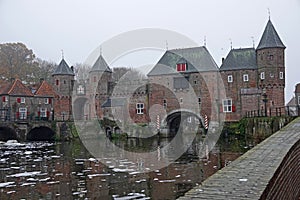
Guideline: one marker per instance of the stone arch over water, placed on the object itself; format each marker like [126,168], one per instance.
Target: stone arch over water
[7,133]
[41,133]
[177,120]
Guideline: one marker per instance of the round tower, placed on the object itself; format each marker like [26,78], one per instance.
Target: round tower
[271,69]
[100,79]
[63,81]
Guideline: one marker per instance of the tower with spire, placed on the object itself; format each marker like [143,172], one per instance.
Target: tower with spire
[63,81]
[271,67]
[100,79]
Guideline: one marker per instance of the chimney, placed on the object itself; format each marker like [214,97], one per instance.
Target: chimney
[41,80]
[72,68]
[223,60]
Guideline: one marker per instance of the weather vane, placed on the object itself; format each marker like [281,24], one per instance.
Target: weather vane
[269,12]
[62,54]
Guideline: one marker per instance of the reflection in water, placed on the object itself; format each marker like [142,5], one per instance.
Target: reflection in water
[67,171]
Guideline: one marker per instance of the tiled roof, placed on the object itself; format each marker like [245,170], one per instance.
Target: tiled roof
[270,38]
[17,88]
[240,59]
[63,69]
[100,65]
[45,90]
[198,60]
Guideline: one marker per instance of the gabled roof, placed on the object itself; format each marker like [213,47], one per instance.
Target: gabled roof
[270,38]
[240,59]
[45,90]
[292,102]
[17,88]
[198,60]
[100,65]
[63,69]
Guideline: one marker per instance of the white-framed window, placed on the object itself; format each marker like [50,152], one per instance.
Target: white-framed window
[181,100]
[80,89]
[189,119]
[281,76]
[22,99]
[262,75]
[230,78]
[165,103]
[43,112]
[23,113]
[46,101]
[227,105]
[140,108]
[245,77]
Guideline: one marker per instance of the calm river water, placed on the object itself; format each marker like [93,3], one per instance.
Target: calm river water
[42,170]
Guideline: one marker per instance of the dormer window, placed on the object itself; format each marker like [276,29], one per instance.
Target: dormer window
[181,67]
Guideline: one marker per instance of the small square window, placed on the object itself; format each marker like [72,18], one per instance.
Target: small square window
[195,82]
[227,105]
[262,75]
[46,101]
[22,99]
[165,103]
[199,100]
[281,75]
[246,77]
[140,108]
[181,100]
[230,78]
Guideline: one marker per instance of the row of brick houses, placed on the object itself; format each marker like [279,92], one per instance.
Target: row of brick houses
[248,80]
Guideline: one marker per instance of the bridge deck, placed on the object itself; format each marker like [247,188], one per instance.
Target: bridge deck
[248,176]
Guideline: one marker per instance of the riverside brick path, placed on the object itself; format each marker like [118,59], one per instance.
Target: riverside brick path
[248,176]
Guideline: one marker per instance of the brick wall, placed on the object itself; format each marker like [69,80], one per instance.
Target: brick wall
[285,183]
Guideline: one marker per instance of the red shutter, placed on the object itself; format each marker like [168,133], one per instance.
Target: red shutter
[233,108]
[183,67]
[178,67]
[18,100]
[48,113]
[17,115]
[3,99]
[49,100]
[144,111]
[39,113]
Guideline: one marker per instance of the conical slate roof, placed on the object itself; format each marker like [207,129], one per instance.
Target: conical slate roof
[100,65]
[63,69]
[270,38]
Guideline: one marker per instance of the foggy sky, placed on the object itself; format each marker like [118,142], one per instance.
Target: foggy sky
[80,26]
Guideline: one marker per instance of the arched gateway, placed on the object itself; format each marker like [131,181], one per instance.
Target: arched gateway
[182,120]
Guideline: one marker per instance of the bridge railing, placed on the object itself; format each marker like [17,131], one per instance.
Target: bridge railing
[275,112]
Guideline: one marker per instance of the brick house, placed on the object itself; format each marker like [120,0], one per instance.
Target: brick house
[45,98]
[17,101]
